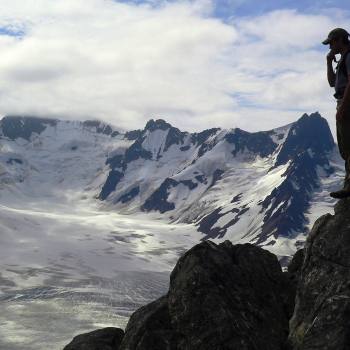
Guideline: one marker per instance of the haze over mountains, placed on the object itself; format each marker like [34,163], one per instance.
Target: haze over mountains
[264,187]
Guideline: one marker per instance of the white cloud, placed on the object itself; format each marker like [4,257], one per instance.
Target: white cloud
[126,63]
[287,29]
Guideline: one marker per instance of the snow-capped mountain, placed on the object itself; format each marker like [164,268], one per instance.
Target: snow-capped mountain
[263,187]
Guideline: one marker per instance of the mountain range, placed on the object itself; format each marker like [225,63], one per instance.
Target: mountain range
[262,187]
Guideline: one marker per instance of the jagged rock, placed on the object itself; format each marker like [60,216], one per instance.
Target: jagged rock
[102,339]
[133,135]
[14,127]
[116,161]
[293,275]
[321,318]
[100,127]
[158,124]
[114,177]
[201,139]
[174,137]
[149,328]
[207,222]
[129,195]
[220,297]
[294,267]
[257,142]
[136,151]
[159,198]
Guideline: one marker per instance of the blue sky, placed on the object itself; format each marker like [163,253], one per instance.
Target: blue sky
[196,63]
[10,32]
[224,9]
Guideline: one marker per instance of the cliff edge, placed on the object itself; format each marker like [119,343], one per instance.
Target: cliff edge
[321,318]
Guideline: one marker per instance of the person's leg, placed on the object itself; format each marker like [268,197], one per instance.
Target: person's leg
[347,176]
[345,130]
[340,140]
[343,139]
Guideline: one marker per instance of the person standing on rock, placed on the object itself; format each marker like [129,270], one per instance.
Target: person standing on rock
[338,41]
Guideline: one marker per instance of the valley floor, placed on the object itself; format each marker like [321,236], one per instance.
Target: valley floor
[67,268]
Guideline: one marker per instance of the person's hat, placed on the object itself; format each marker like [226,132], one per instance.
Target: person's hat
[335,34]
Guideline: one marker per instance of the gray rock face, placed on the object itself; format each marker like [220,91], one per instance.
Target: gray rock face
[220,297]
[101,339]
[14,127]
[321,318]
[294,267]
[150,328]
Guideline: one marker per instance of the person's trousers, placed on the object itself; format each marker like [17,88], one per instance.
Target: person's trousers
[343,139]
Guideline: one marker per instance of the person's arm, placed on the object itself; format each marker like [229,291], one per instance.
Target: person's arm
[345,105]
[330,70]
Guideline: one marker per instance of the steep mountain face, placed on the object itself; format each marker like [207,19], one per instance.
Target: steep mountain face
[254,187]
[246,187]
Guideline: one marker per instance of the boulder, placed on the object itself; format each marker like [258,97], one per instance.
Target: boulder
[220,297]
[149,328]
[321,319]
[102,339]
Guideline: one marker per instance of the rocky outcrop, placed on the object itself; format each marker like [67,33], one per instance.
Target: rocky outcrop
[220,297]
[150,328]
[101,127]
[257,142]
[101,339]
[321,318]
[14,127]
[294,267]
[229,297]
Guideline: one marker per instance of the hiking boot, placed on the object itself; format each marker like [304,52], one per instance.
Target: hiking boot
[343,193]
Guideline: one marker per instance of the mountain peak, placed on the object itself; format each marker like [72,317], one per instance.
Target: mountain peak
[308,132]
[314,117]
[158,124]
[315,114]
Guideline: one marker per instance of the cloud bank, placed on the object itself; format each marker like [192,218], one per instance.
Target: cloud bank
[128,62]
